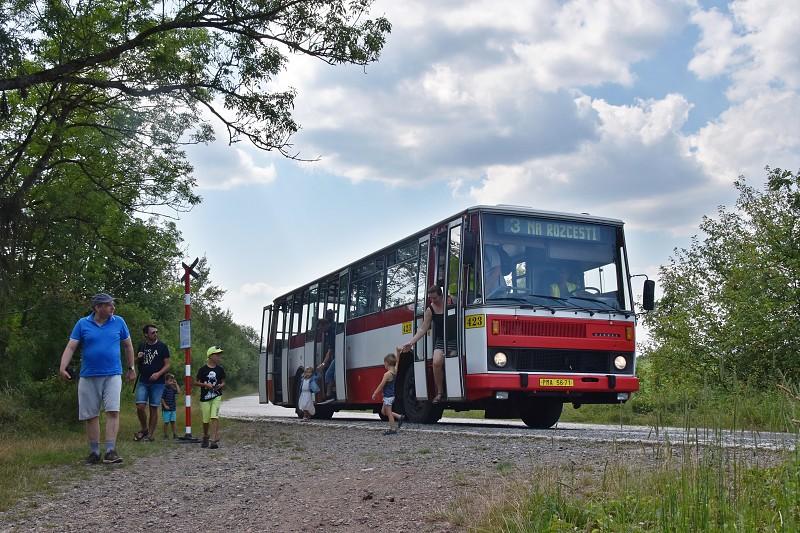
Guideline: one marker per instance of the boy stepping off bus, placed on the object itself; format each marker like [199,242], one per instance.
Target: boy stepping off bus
[211,380]
[387,388]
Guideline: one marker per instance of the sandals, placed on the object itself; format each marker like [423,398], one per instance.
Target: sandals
[142,436]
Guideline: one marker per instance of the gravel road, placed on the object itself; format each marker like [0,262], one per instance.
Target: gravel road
[283,474]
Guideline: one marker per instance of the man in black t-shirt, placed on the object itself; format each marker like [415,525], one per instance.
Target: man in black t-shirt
[152,358]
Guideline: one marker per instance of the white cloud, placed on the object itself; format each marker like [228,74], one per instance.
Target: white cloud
[763,130]
[462,85]
[756,45]
[242,171]
[638,168]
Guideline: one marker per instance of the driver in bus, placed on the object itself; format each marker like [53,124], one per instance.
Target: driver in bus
[564,287]
[493,273]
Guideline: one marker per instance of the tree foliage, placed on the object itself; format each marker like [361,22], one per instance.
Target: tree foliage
[731,304]
[98,100]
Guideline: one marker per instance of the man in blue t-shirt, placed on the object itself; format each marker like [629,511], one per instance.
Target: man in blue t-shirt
[99,335]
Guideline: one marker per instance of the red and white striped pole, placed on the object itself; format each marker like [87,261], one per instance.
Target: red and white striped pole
[187,304]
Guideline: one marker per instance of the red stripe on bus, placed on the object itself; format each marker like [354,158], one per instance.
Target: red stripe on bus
[535,332]
[298,341]
[390,317]
[361,383]
[481,386]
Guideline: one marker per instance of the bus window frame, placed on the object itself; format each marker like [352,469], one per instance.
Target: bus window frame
[380,271]
[414,259]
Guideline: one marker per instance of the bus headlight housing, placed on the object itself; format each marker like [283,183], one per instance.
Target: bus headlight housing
[620,362]
[500,359]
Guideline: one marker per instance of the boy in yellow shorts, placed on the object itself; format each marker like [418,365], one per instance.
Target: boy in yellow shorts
[211,380]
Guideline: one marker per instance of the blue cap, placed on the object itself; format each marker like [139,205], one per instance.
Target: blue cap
[101,298]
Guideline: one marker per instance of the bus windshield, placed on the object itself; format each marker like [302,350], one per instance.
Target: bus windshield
[553,263]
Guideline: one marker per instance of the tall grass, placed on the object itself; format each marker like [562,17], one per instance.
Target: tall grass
[710,492]
[702,488]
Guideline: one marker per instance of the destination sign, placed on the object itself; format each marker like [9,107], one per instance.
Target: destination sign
[535,227]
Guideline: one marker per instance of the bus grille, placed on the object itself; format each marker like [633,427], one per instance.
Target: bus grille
[529,328]
[562,361]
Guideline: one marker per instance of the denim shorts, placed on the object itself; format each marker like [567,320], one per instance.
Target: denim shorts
[388,401]
[96,390]
[149,393]
[168,416]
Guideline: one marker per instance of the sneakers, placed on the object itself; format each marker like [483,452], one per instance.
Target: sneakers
[112,457]
[93,459]
[214,445]
[390,432]
[400,419]
[204,444]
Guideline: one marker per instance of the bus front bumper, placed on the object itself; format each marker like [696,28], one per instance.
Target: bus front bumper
[595,388]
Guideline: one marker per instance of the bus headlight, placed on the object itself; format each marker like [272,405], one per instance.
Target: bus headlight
[500,359]
[620,362]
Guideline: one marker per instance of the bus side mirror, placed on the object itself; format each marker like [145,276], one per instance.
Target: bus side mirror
[469,248]
[649,295]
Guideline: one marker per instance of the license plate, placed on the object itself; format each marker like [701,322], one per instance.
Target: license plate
[557,382]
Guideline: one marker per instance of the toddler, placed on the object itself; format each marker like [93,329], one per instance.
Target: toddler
[387,387]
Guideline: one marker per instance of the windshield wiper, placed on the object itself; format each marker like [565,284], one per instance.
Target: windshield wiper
[524,301]
[626,313]
[565,301]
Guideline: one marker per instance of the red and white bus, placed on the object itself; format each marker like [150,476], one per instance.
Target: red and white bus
[558,326]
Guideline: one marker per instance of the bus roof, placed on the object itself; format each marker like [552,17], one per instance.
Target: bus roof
[499,208]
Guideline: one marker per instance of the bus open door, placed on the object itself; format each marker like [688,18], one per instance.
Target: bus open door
[264,356]
[454,316]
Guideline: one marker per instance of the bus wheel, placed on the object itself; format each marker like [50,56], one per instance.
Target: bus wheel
[323,412]
[423,412]
[541,413]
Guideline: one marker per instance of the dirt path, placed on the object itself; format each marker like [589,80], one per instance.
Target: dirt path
[295,476]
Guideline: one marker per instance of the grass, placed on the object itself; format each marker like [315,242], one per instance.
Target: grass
[704,489]
[711,492]
[42,445]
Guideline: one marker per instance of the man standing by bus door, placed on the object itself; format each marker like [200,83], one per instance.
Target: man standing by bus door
[329,361]
[153,360]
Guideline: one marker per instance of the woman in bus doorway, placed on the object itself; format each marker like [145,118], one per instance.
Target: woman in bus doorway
[434,314]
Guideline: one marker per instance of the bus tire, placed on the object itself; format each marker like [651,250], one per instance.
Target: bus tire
[423,412]
[323,412]
[541,413]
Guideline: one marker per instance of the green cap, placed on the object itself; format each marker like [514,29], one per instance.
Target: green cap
[214,349]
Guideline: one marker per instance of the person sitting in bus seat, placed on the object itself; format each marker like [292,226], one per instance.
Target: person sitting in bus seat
[493,272]
[434,315]
[563,287]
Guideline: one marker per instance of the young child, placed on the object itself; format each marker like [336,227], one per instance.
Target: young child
[387,387]
[211,380]
[169,405]
[308,388]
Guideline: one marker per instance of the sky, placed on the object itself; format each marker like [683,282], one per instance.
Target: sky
[646,111]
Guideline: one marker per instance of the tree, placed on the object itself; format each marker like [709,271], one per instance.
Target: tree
[731,304]
[98,99]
